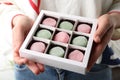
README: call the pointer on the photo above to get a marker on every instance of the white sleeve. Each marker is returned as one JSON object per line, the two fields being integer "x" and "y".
{"x": 115, "y": 6}
{"x": 8, "y": 12}
{"x": 27, "y": 8}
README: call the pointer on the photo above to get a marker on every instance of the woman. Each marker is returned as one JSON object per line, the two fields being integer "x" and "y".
{"x": 22, "y": 15}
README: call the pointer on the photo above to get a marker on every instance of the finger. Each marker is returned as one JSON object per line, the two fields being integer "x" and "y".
{"x": 33, "y": 67}
{"x": 41, "y": 67}
{"x": 19, "y": 60}
{"x": 103, "y": 26}
{"x": 98, "y": 48}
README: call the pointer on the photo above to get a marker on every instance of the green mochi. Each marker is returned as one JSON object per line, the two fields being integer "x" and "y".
{"x": 80, "y": 41}
{"x": 66, "y": 25}
{"x": 44, "y": 34}
{"x": 57, "y": 51}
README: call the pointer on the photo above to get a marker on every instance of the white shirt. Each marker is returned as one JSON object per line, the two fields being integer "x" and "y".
{"x": 86, "y": 8}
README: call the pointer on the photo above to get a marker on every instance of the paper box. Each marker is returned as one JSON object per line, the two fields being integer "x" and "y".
{"x": 59, "y": 62}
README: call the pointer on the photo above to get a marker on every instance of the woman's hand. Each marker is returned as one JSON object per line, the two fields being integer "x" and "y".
{"x": 21, "y": 26}
{"x": 106, "y": 26}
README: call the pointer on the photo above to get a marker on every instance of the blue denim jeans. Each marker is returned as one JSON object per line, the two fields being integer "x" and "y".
{"x": 98, "y": 72}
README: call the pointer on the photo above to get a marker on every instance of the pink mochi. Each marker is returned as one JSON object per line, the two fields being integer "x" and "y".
{"x": 38, "y": 46}
{"x": 76, "y": 55}
{"x": 62, "y": 37}
{"x": 49, "y": 22}
{"x": 84, "y": 28}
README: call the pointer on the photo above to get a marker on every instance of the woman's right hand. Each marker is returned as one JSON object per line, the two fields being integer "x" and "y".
{"x": 21, "y": 26}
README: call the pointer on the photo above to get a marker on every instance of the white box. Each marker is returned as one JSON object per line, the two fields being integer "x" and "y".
{"x": 62, "y": 63}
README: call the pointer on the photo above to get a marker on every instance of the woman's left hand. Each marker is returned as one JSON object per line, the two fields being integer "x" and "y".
{"x": 102, "y": 36}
